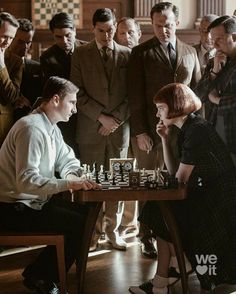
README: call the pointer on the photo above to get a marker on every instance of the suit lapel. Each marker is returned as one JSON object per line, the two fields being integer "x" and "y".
{"x": 96, "y": 61}
{"x": 117, "y": 60}
{"x": 179, "y": 51}
{"x": 159, "y": 53}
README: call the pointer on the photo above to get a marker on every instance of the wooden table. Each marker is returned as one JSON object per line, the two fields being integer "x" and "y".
{"x": 95, "y": 200}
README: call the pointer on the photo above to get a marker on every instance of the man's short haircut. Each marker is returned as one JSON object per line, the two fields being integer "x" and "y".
{"x": 126, "y": 18}
{"x": 228, "y": 22}
{"x": 25, "y": 25}
{"x": 180, "y": 99}
{"x": 58, "y": 86}
{"x": 162, "y": 6}
{"x": 5, "y": 16}
{"x": 103, "y": 15}
{"x": 61, "y": 20}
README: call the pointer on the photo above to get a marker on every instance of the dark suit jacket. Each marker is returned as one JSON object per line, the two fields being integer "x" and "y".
{"x": 55, "y": 62}
{"x": 99, "y": 95}
{"x": 31, "y": 85}
{"x": 149, "y": 70}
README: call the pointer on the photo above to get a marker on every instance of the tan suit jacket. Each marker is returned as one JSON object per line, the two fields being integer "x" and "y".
{"x": 150, "y": 70}
{"x": 10, "y": 80}
{"x": 99, "y": 94}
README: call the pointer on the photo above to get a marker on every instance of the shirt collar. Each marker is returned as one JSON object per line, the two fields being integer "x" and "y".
{"x": 212, "y": 52}
{"x": 173, "y": 43}
{"x": 110, "y": 46}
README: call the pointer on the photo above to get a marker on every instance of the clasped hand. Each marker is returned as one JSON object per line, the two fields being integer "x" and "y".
{"x": 108, "y": 124}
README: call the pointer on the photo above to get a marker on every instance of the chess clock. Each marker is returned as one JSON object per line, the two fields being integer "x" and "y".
{"x": 128, "y": 166}
{"x": 116, "y": 166}
{"x": 124, "y": 164}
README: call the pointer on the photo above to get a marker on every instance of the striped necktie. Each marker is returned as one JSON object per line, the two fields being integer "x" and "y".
{"x": 104, "y": 53}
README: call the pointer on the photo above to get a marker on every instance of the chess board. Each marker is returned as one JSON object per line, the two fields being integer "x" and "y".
{"x": 117, "y": 181}
{"x": 43, "y": 11}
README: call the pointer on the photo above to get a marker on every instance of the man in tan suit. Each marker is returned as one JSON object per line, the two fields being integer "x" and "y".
{"x": 99, "y": 70}
{"x": 153, "y": 64}
{"x": 11, "y": 67}
{"x": 206, "y": 53}
{"x": 205, "y": 48}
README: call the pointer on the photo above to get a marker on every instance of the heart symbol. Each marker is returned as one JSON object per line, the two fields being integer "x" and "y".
{"x": 201, "y": 269}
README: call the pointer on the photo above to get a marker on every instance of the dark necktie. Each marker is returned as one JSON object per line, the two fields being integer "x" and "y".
{"x": 104, "y": 53}
{"x": 206, "y": 57}
{"x": 172, "y": 55}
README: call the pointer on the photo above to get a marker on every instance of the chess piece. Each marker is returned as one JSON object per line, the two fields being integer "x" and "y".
{"x": 95, "y": 168}
{"x": 101, "y": 169}
{"x": 143, "y": 172}
{"x": 88, "y": 169}
{"x": 173, "y": 182}
{"x": 97, "y": 177}
{"x": 159, "y": 178}
{"x": 106, "y": 176}
{"x": 85, "y": 168}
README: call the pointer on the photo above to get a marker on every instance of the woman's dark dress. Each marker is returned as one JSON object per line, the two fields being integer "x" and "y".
{"x": 207, "y": 218}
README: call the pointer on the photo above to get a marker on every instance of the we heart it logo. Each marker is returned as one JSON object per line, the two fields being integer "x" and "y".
{"x": 201, "y": 269}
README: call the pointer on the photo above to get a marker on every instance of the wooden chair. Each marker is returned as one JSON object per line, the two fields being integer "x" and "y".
{"x": 29, "y": 238}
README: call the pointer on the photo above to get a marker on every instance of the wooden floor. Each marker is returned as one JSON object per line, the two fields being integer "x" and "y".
{"x": 108, "y": 272}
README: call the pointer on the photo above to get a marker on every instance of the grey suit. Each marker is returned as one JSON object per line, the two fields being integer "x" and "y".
{"x": 103, "y": 89}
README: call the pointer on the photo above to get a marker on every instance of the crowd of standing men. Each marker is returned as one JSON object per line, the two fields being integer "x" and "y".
{"x": 117, "y": 80}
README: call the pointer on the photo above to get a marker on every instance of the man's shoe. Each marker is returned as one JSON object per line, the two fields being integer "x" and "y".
{"x": 148, "y": 249}
{"x": 125, "y": 230}
{"x": 41, "y": 286}
{"x": 117, "y": 242}
{"x": 93, "y": 247}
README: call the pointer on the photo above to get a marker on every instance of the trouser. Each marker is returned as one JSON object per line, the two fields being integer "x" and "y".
{"x": 129, "y": 214}
{"x": 112, "y": 220}
{"x": 58, "y": 215}
{"x": 144, "y": 231}
{"x": 149, "y": 161}
{"x": 101, "y": 154}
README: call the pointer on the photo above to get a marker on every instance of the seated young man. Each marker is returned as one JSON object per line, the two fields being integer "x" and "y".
{"x": 32, "y": 152}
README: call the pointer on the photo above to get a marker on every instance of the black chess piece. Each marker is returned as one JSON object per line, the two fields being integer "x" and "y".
{"x": 97, "y": 177}
{"x": 173, "y": 182}
{"x": 106, "y": 176}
